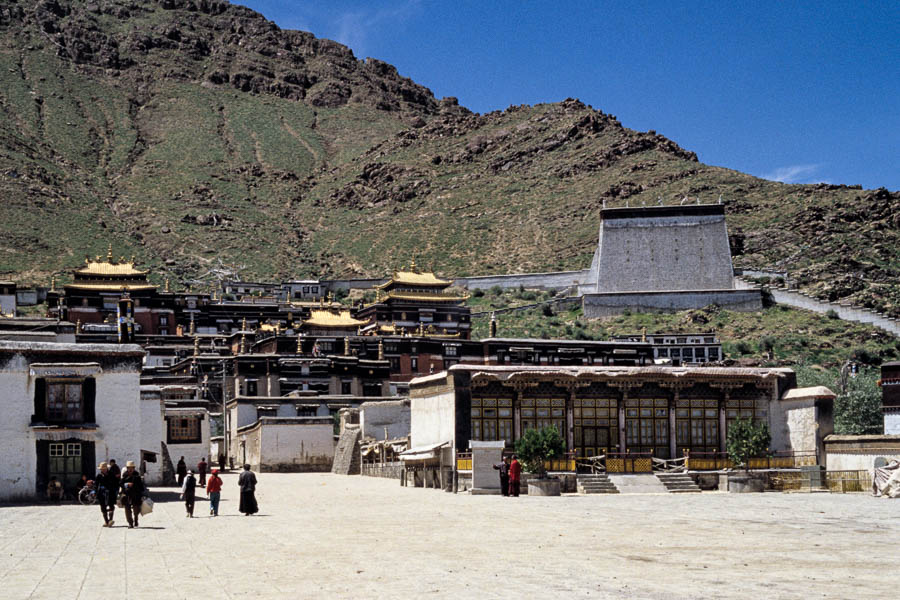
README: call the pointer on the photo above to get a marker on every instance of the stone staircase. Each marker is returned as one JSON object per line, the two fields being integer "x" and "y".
{"x": 638, "y": 483}
{"x": 346, "y": 454}
{"x": 595, "y": 484}
{"x": 678, "y": 483}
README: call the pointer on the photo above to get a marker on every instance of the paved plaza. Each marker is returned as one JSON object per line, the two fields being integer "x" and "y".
{"x": 327, "y": 536}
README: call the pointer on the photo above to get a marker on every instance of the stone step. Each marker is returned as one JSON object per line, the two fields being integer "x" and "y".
{"x": 678, "y": 483}
{"x": 638, "y": 484}
{"x": 595, "y": 484}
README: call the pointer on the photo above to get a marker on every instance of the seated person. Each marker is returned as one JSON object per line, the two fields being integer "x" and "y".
{"x": 54, "y": 489}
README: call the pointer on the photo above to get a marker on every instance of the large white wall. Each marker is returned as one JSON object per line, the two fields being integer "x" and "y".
{"x": 394, "y": 415}
{"x": 433, "y": 419}
{"x": 295, "y": 446}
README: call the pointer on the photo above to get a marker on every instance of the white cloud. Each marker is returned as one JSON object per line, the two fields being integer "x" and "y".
{"x": 353, "y": 27}
{"x": 795, "y": 174}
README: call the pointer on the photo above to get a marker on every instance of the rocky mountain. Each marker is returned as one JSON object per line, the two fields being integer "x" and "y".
{"x": 199, "y": 136}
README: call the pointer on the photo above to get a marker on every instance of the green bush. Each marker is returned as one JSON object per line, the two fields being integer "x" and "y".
{"x": 496, "y": 290}
{"x": 747, "y": 439}
{"x": 477, "y": 293}
{"x": 536, "y": 446}
{"x": 547, "y": 310}
{"x": 742, "y": 347}
{"x": 767, "y": 343}
{"x": 832, "y": 314}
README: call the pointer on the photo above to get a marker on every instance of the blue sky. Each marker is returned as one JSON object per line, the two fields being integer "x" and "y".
{"x": 792, "y": 91}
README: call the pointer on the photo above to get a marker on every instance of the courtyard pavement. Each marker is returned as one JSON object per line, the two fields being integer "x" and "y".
{"x": 328, "y": 536}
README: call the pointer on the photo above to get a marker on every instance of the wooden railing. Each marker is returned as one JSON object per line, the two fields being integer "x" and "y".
{"x": 629, "y": 462}
{"x": 566, "y": 463}
{"x": 714, "y": 461}
{"x": 463, "y": 461}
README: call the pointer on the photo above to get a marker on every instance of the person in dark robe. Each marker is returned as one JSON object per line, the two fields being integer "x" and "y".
{"x": 515, "y": 476}
{"x": 181, "y": 471}
{"x": 107, "y": 487}
{"x": 247, "y": 483}
{"x": 201, "y": 470}
{"x": 188, "y": 493}
{"x": 221, "y": 462}
{"x": 115, "y": 469}
{"x": 132, "y": 493}
{"x": 503, "y": 467}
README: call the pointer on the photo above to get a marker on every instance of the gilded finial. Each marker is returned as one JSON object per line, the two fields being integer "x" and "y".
{"x": 167, "y": 285}
{"x": 196, "y": 344}
{"x": 380, "y": 350}
{"x": 346, "y": 346}
{"x": 643, "y": 334}
{"x": 193, "y": 328}
{"x": 53, "y": 283}
{"x": 244, "y": 324}
{"x": 78, "y": 326}
{"x": 109, "y": 253}
{"x": 299, "y": 344}
{"x": 243, "y": 343}
{"x": 412, "y": 265}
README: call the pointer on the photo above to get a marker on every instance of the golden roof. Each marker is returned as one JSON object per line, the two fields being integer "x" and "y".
{"x": 108, "y": 268}
{"x": 111, "y": 287}
{"x": 424, "y": 296}
{"x": 327, "y": 318}
{"x": 414, "y": 276}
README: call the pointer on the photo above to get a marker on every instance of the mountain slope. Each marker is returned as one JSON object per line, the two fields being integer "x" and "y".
{"x": 195, "y": 133}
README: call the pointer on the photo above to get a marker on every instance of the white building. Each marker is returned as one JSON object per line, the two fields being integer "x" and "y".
{"x": 67, "y": 407}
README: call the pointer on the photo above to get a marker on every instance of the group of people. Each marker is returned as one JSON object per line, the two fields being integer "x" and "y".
{"x": 189, "y": 483}
{"x": 112, "y": 485}
{"x": 510, "y": 476}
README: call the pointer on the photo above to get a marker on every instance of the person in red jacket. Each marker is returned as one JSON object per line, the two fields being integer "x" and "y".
{"x": 214, "y": 491}
{"x": 515, "y": 475}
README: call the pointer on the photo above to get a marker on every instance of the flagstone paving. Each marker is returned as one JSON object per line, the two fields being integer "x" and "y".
{"x": 328, "y": 536}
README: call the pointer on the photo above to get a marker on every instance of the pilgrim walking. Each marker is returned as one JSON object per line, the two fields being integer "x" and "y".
{"x": 188, "y": 493}
{"x": 201, "y": 470}
{"x": 247, "y": 483}
{"x": 132, "y": 493}
{"x": 107, "y": 489}
{"x": 214, "y": 491}
{"x": 181, "y": 471}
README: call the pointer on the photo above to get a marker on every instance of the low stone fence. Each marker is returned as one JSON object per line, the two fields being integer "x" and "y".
{"x": 391, "y": 470}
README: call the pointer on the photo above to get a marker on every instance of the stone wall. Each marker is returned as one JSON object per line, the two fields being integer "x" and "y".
{"x": 390, "y": 415}
{"x": 663, "y": 248}
{"x": 611, "y": 304}
{"x": 558, "y": 280}
{"x": 859, "y": 452}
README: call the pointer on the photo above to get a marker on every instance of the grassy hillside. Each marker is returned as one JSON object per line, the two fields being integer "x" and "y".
{"x": 198, "y": 135}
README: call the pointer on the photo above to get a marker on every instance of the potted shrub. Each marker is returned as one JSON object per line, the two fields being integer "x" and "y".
{"x": 533, "y": 448}
{"x": 746, "y": 439}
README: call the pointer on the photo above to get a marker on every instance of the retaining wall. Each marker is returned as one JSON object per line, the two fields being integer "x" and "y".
{"x": 611, "y": 304}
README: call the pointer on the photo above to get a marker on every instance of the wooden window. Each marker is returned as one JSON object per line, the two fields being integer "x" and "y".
{"x": 64, "y": 402}
{"x": 492, "y": 419}
{"x": 184, "y": 430}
